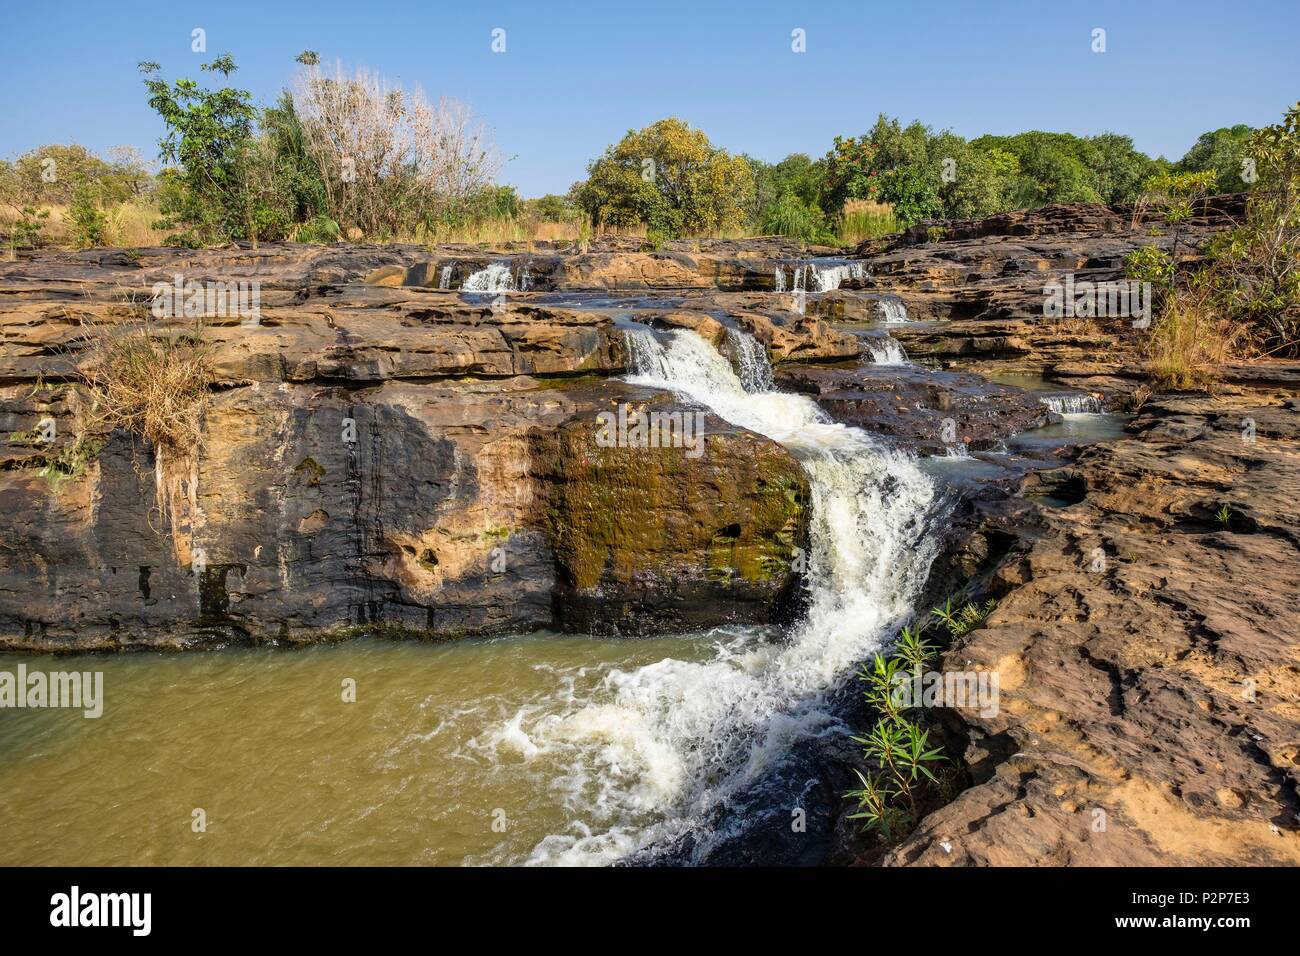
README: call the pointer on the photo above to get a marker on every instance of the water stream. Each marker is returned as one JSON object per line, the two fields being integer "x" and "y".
{"x": 543, "y": 749}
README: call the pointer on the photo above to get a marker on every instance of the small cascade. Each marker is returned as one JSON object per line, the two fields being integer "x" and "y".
{"x": 780, "y": 279}
{"x": 752, "y": 366}
{"x": 891, "y": 311}
{"x": 1072, "y": 404}
{"x": 644, "y": 353}
{"x": 799, "y": 288}
{"x": 832, "y": 277}
{"x": 959, "y": 450}
{"x": 885, "y": 350}
{"x": 494, "y": 278}
{"x": 444, "y": 277}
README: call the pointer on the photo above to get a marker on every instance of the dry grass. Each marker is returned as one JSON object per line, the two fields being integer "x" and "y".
{"x": 1190, "y": 341}
{"x": 129, "y": 225}
{"x": 865, "y": 219}
{"x": 150, "y": 381}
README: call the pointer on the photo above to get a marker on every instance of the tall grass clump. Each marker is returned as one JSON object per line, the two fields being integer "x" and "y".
{"x": 866, "y": 219}
{"x": 151, "y": 382}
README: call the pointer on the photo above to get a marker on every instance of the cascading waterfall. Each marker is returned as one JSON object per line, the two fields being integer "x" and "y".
{"x": 494, "y": 278}
{"x": 891, "y": 311}
{"x": 780, "y": 279}
{"x": 1072, "y": 404}
{"x": 444, "y": 277}
{"x": 885, "y": 350}
{"x": 752, "y": 366}
{"x": 832, "y": 277}
{"x": 656, "y": 751}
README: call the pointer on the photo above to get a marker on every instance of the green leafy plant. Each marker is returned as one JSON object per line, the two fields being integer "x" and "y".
{"x": 963, "y": 620}
{"x": 1149, "y": 264}
{"x": 898, "y": 746}
{"x": 1223, "y": 516}
{"x": 87, "y": 221}
{"x": 27, "y": 230}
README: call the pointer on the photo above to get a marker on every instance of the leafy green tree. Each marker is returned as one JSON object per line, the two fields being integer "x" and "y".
{"x": 207, "y": 138}
{"x": 670, "y": 178}
{"x": 852, "y": 172}
{"x": 1257, "y": 265}
{"x": 1222, "y": 151}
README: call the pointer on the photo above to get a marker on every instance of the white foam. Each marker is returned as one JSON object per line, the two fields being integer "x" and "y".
{"x": 653, "y": 750}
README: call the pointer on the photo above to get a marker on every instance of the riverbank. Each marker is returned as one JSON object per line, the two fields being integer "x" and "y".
{"x": 402, "y": 442}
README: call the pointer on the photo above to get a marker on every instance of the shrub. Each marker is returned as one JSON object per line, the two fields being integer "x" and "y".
{"x": 322, "y": 229}
{"x": 1257, "y": 265}
{"x": 1190, "y": 339}
{"x": 791, "y": 216}
{"x": 898, "y": 746}
{"x": 88, "y": 221}
{"x": 1149, "y": 264}
{"x": 151, "y": 382}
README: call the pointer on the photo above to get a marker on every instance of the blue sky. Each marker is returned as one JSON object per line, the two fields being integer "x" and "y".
{"x": 576, "y": 76}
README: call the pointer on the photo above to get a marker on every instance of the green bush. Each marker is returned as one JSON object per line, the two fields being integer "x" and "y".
{"x": 322, "y": 229}
{"x": 791, "y": 216}
{"x": 1149, "y": 264}
{"x": 898, "y": 746}
{"x": 87, "y": 221}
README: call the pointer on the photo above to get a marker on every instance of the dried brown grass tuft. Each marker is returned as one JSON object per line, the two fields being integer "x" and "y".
{"x": 151, "y": 381}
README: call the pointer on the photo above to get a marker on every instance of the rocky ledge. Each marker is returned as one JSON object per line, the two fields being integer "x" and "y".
{"x": 1145, "y": 640}
{"x": 402, "y": 459}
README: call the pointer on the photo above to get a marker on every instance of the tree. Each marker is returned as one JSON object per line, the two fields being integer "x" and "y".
{"x": 670, "y": 178}
{"x": 1223, "y": 151}
{"x": 207, "y": 137}
{"x": 1258, "y": 263}
{"x": 388, "y": 158}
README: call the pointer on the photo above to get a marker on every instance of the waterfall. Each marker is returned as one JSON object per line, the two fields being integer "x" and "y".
{"x": 832, "y": 277}
{"x": 660, "y": 749}
{"x": 1072, "y": 404}
{"x": 643, "y": 352}
{"x": 885, "y": 350}
{"x": 494, "y": 278}
{"x": 444, "y": 277}
{"x": 780, "y": 279}
{"x": 891, "y": 310}
{"x": 752, "y": 366}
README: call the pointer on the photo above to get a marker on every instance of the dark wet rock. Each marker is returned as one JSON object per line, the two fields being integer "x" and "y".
{"x": 929, "y": 411}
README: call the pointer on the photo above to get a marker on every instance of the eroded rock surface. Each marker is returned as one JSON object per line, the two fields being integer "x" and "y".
{"x": 1149, "y": 667}
{"x": 398, "y": 458}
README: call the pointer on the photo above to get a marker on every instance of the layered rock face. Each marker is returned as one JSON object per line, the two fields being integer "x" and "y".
{"x": 392, "y": 458}
{"x": 986, "y": 278}
{"x": 1150, "y": 685}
